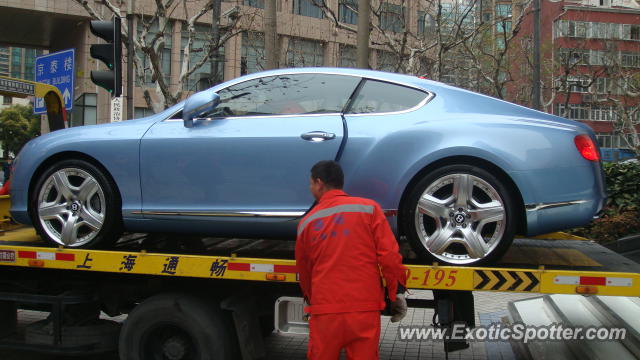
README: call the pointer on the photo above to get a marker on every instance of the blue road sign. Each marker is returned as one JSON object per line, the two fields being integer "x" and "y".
{"x": 56, "y": 69}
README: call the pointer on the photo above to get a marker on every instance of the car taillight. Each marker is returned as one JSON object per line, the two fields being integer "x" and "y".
{"x": 586, "y": 147}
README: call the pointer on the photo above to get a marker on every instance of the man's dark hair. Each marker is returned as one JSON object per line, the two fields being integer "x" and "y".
{"x": 329, "y": 172}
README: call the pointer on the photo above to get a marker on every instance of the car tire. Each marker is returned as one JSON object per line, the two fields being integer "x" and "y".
{"x": 450, "y": 226}
{"x": 176, "y": 326}
{"x": 75, "y": 204}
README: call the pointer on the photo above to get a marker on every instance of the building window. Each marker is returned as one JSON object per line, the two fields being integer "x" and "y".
{"x": 391, "y": 17}
{"x": 29, "y": 64}
{"x": 603, "y": 86}
{"x": 387, "y": 61}
{"x": 348, "y": 56}
{"x": 199, "y": 48}
{"x": 255, "y": 3}
{"x": 609, "y": 140}
{"x": 604, "y": 140}
{"x": 578, "y": 85}
{"x": 4, "y": 61}
{"x": 16, "y": 62}
{"x": 631, "y": 60}
{"x": 165, "y": 53}
{"x": 634, "y": 32}
{"x": 84, "y": 110}
{"x": 561, "y": 29}
{"x": 578, "y": 29}
{"x": 586, "y": 112}
{"x": 302, "y": 52}
{"x": 426, "y": 23}
{"x": 253, "y": 58}
{"x": 503, "y": 26}
{"x": 140, "y": 112}
{"x": 6, "y": 100}
{"x": 572, "y": 57}
{"x": 421, "y": 24}
{"x": 347, "y": 11}
{"x": 306, "y": 8}
{"x": 503, "y": 10}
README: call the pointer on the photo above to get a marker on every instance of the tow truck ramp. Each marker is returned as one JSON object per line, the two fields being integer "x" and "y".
{"x": 573, "y": 311}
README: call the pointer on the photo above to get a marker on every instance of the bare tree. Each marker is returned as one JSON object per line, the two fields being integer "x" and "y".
{"x": 155, "y": 27}
{"x": 617, "y": 90}
{"x": 445, "y": 26}
{"x": 592, "y": 80}
{"x": 493, "y": 50}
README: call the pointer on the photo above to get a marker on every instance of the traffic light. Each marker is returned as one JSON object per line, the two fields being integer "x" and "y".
{"x": 110, "y": 54}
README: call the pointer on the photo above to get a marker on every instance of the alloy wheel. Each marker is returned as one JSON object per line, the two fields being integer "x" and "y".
{"x": 71, "y": 207}
{"x": 460, "y": 218}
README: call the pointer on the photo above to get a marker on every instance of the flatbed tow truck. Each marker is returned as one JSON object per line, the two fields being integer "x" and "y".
{"x": 205, "y": 298}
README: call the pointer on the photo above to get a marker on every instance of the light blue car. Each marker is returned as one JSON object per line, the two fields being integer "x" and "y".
{"x": 458, "y": 173}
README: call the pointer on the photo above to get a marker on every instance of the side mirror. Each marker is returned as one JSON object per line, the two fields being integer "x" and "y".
{"x": 199, "y": 104}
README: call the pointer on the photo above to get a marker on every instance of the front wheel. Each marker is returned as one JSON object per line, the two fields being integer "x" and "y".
{"x": 74, "y": 204}
{"x": 176, "y": 326}
{"x": 460, "y": 215}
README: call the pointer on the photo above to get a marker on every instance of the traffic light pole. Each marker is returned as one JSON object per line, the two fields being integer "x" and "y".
{"x": 130, "y": 54}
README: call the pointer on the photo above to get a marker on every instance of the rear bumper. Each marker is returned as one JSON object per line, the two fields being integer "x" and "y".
{"x": 548, "y": 217}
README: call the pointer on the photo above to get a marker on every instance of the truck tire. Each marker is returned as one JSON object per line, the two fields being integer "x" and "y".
{"x": 177, "y": 327}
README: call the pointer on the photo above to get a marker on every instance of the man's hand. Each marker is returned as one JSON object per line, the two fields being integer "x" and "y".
{"x": 399, "y": 308}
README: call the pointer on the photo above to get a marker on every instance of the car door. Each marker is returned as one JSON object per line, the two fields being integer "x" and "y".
{"x": 252, "y": 154}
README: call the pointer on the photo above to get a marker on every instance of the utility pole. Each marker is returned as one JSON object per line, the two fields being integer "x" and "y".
{"x": 271, "y": 34}
{"x": 535, "y": 96}
{"x": 131, "y": 7}
{"x": 362, "y": 49}
{"x": 215, "y": 40}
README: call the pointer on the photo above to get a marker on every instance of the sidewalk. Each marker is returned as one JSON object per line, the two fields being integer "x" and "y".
{"x": 489, "y": 307}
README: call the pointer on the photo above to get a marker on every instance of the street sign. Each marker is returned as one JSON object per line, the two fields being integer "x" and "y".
{"x": 116, "y": 109}
{"x": 56, "y": 69}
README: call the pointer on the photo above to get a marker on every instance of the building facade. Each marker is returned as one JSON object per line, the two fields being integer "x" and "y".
{"x": 307, "y": 36}
{"x": 590, "y": 66}
{"x": 17, "y": 62}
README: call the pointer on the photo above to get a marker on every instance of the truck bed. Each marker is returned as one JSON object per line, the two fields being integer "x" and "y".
{"x": 530, "y": 265}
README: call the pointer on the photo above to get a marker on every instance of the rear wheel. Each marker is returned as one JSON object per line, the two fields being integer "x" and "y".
{"x": 75, "y": 204}
{"x": 175, "y": 327}
{"x": 460, "y": 214}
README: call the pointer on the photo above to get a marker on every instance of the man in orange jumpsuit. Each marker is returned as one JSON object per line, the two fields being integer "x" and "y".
{"x": 343, "y": 244}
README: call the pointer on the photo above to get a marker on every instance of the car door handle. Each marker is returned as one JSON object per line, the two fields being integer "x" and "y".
{"x": 318, "y": 136}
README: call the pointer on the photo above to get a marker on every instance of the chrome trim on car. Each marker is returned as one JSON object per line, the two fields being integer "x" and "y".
{"x": 285, "y": 214}
{"x": 536, "y": 207}
{"x": 259, "y": 116}
{"x": 429, "y": 97}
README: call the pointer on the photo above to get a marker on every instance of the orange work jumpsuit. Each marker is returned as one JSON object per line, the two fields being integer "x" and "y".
{"x": 343, "y": 243}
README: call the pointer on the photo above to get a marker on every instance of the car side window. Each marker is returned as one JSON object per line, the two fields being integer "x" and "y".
{"x": 380, "y": 97}
{"x": 286, "y": 94}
